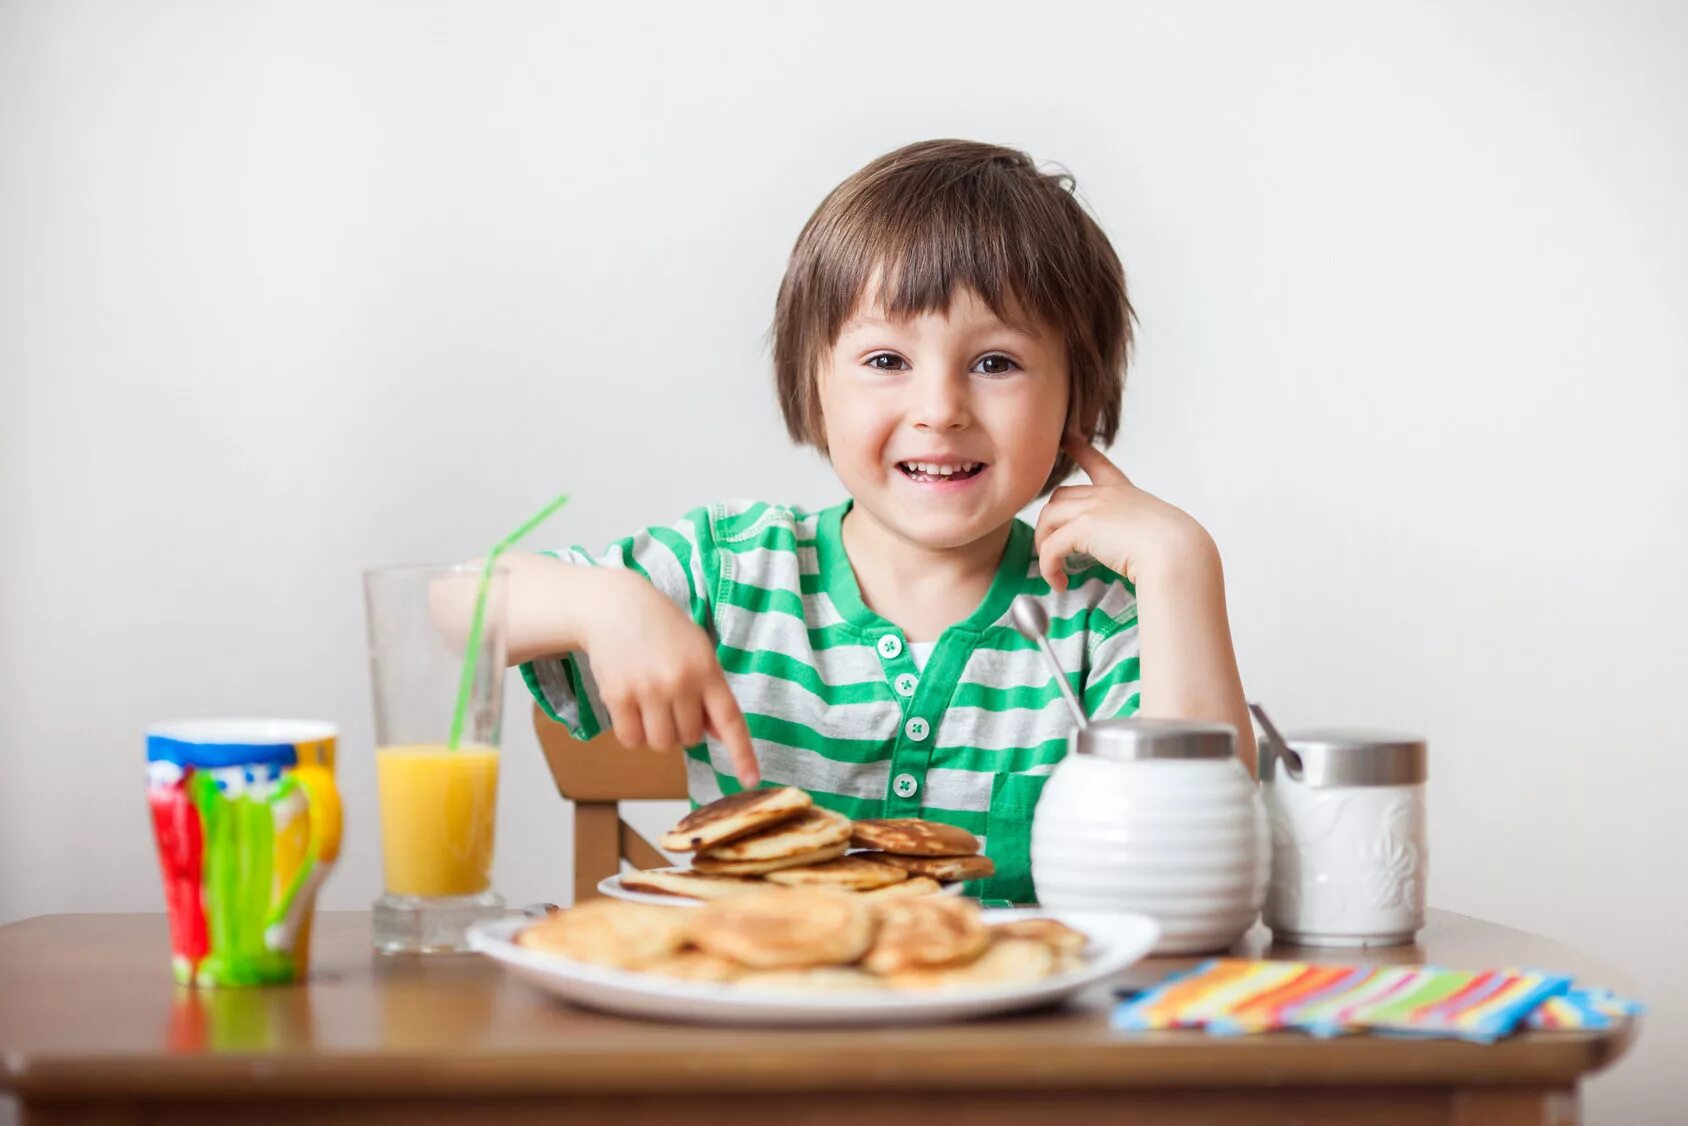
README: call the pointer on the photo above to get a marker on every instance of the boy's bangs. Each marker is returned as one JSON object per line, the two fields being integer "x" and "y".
{"x": 907, "y": 271}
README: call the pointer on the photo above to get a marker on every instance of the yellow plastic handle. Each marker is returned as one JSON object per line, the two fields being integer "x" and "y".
{"x": 326, "y": 813}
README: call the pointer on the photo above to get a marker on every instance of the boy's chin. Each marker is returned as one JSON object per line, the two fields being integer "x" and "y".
{"x": 946, "y": 532}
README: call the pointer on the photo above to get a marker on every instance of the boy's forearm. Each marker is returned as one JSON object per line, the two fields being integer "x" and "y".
{"x": 551, "y": 607}
{"x": 1184, "y": 640}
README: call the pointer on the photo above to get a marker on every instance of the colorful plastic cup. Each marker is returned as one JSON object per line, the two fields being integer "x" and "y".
{"x": 247, "y": 821}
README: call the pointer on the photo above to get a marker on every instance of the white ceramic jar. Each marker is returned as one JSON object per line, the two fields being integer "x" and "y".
{"x": 1349, "y": 854}
{"x": 1157, "y": 817}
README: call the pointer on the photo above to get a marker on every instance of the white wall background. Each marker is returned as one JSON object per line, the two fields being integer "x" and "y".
{"x": 288, "y": 290}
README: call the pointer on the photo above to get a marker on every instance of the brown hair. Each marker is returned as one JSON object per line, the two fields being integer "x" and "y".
{"x": 937, "y": 215}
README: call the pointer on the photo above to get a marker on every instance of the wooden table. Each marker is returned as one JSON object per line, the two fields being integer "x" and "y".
{"x": 92, "y": 1029}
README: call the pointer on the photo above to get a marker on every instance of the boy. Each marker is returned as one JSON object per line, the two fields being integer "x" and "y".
{"x": 952, "y": 334}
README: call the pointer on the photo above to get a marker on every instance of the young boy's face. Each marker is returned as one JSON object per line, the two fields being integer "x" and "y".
{"x": 945, "y": 425}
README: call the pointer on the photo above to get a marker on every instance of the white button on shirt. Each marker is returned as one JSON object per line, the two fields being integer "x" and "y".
{"x": 906, "y": 684}
{"x": 904, "y": 785}
{"x": 917, "y": 729}
{"x": 890, "y": 646}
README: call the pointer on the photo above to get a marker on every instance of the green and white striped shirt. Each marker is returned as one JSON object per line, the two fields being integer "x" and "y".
{"x": 832, "y": 695}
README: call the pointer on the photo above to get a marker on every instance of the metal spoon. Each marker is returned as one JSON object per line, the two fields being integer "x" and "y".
{"x": 1291, "y": 760}
{"x": 1033, "y": 625}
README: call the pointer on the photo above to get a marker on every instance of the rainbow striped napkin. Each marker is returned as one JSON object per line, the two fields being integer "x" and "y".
{"x": 1581, "y": 1010}
{"x": 1232, "y": 996}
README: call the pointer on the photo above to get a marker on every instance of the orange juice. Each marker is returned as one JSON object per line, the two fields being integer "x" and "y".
{"x": 437, "y": 814}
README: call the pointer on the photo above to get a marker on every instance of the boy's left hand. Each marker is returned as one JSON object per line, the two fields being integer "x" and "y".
{"x": 1121, "y": 526}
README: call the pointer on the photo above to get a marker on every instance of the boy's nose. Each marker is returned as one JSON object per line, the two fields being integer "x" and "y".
{"x": 942, "y": 403}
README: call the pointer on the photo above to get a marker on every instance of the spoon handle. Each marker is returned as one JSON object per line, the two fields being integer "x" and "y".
{"x": 1291, "y": 760}
{"x": 1061, "y": 682}
{"x": 1033, "y": 625}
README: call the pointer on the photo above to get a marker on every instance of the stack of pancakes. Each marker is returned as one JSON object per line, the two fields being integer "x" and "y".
{"x": 812, "y": 940}
{"x": 745, "y": 841}
{"x": 923, "y": 848}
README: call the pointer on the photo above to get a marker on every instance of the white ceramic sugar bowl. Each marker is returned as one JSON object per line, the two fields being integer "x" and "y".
{"x": 1349, "y": 854}
{"x": 1157, "y": 817}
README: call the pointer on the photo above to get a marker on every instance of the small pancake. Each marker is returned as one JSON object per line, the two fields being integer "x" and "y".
{"x": 1011, "y": 961}
{"x": 691, "y": 885}
{"x": 910, "y": 836}
{"x": 785, "y": 928}
{"x": 929, "y": 931}
{"x": 1053, "y": 933}
{"x": 735, "y": 816}
{"x": 1067, "y": 960}
{"x": 807, "y": 831}
{"x": 940, "y": 867}
{"x": 847, "y": 873}
{"x": 816, "y": 979}
{"x": 911, "y": 888}
{"x": 695, "y": 965}
{"x": 611, "y": 932}
{"x": 709, "y": 866}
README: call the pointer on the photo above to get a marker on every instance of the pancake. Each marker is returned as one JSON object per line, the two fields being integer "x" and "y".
{"x": 692, "y": 885}
{"x": 910, "y": 836}
{"x": 930, "y": 931}
{"x": 1067, "y": 960}
{"x": 611, "y": 932}
{"x": 709, "y": 866}
{"x": 785, "y": 928}
{"x": 808, "y": 830}
{"x": 1056, "y": 935}
{"x": 695, "y": 965}
{"x": 733, "y": 816}
{"x": 1011, "y": 961}
{"x": 911, "y": 888}
{"x": 847, "y": 873}
{"x": 939, "y": 867}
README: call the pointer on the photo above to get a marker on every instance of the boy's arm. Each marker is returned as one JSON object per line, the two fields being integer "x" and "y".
{"x": 656, "y": 669}
{"x": 1188, "y": 668}
{"x": 554, "y": 607}
{"x": 550, "y": 607}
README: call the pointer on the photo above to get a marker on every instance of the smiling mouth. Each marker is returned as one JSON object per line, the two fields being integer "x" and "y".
{"x": 931, "y": 472}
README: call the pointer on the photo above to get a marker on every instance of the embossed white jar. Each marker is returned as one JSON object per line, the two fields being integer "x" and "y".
{"x": 1156, "y": 817}
{"x": 1349, "y": 853}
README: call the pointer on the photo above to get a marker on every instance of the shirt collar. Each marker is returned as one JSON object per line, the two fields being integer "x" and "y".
{"x": 838, "y": 577}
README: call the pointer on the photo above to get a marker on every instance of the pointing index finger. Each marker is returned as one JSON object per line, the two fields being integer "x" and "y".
{"x": 727, "y": 721}
{"x": 1094, "y": 462}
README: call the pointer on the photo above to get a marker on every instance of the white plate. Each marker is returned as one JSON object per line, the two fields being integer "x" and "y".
{"x": 1116, "y": 941}
{"x": 613, "y": 887}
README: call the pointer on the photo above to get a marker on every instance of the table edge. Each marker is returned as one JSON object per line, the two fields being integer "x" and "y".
{"x": 1557, "y": 1059}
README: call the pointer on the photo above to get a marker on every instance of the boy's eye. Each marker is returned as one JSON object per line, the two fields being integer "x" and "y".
{"x": 994, "y": 364}
{"x": 886, "y": 361}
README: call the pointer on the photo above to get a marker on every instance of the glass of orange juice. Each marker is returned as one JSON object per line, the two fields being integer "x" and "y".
{"x": 439, "y": 799}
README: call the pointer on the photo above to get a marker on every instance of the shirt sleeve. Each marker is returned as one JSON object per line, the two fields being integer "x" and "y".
{"x": 678, "y": 560}
{"x": 1112, "y": 683}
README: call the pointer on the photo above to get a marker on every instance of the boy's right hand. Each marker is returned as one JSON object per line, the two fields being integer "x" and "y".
{"x": 659, "y": 677}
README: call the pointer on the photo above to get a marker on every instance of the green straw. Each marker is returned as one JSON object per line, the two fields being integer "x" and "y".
{"x": 471, "y": 650}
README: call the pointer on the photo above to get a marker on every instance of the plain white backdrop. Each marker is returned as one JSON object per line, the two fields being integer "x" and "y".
{"x": 289, "y": 290}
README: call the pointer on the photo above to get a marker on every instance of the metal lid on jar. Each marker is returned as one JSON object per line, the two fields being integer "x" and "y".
{"x": 1132, "y": 738}
{"x": 1349, "y": 758}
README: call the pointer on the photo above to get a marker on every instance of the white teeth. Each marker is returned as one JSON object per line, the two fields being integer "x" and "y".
{"x": 933, "y": 469}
